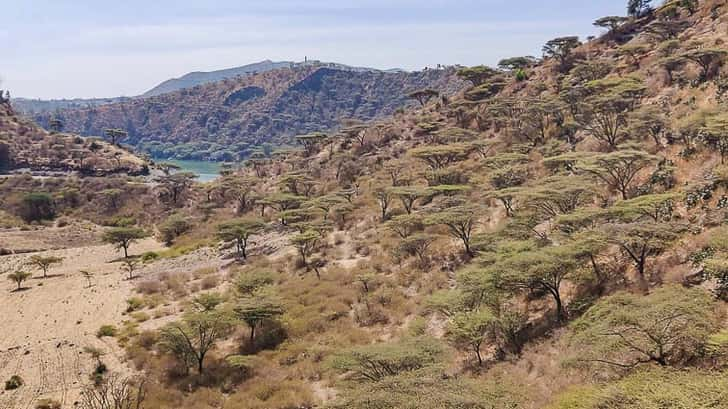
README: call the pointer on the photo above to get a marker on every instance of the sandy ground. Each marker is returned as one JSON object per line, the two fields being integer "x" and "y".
{"x": 47, "y": 325}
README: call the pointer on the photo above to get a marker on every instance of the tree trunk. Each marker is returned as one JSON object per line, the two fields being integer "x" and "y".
{"x": 200, "y": 369}
{"x": 476, "y": 348}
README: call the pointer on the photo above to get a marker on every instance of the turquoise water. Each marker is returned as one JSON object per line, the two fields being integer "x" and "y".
{"x": 205, "y": 171}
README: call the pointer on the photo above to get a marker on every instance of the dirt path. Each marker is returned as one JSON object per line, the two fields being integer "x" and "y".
{"x": 47, "y": 326}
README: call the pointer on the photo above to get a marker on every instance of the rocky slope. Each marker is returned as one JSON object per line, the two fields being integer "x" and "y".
{"x": 224, "y": 120}
{"x": 23, "y": 145}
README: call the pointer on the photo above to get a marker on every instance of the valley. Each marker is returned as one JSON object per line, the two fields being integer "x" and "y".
{"x": 542, "y": 233}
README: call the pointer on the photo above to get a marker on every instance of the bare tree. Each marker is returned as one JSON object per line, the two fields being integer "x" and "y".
{"x": 115, "y": 392}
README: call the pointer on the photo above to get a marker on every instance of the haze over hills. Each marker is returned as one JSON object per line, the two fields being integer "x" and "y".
{"x": 30, "y": 106}
{"x": 199, "y": 78}
{"x": 226, "y": 119}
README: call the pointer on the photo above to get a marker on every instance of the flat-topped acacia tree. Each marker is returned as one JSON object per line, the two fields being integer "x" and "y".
{"x": 176, "y": 184}
{"x": 478, "y": 74}
{"x": 18, "y": 277}
{"x": 668, "y": 327}
{"x": 460, "y": 222}
{"x": 561, "y": 49}
{"x": 115, "y": 134}
{"x": 190, "y": 339}
{"x": 440, "y": 156}
{"x": 408, "y": 195}
{"x": 312, "y": 142}
{"x": 44, "y": 263}
{"x": 423, "y": 96}
{"x": 306, "y": 243}
{"x": 123, "y": 237}
{"x": 240, "y": 231}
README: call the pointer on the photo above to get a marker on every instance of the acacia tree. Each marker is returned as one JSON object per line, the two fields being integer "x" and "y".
{"x": 408, "y": 195}
{"x": 242, "y": 190}
{"x": 561, "y": 48}
{"x": 668, "y": 327}
{"x": 634, "y": 51}
{"x": 384, "y": 198}
{"x": 405, "y": 224}
{"x": 655, "y": 207}
{"x": 642, "y": 240}
{"x": 460, "y": 221}
{"x": 648, "y": 120}
{"x": 715, "y": 134}
{"x": 18, "y": 277}
{"x": 326, "y": 203}
{"x": 612, "y": 23}
{"x": 517, "y": 63}
{"x": 297, "y": 183}
{"x": 194, "y": 336}
{"x": 477, "y": 75}
{"x": 706, "y": 58}
{"x": 555, "y": 195}
{"x": 605, "y": 118}
{"x": 115, "y": 134}
{"x": 539, "y": 116}
{"x": 536, "y": 269}
{"x": 417, "y": 244}
{"x": 471, "y": 329}
{"x": 123, "y": 237}
{"x": 618, "y": 169}
{"x": 306, "y": 244}
{"x": 44, "y": 263}
{"x": 257, "y": 308}
{"x": 312, "y": 142}
{"x": 176, "y": 184}
{"x": 440, "y": 156}
{"x": 423, "y": 96}
{"x": 240, "y": 231}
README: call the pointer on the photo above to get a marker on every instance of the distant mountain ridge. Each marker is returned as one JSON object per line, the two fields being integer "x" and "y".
{"x": 192, "y": 79}
{"x": 227, "y": 119}
{"x": 34, "y": 106}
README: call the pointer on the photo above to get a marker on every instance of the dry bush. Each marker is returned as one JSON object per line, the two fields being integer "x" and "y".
{"x": 209, "y": 282}
{"x": 267, "y": 394}
{"x": 150, "y": 287}
{"x": 203, "y": 272}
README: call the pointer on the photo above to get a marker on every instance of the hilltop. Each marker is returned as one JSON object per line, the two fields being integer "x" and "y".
{"x": 24, "y": 145}
{"x": 28, "y": 106}
{"x": 193, "y": 79}
{"x": 228, "y": 119}
{"x": 554, "y": 236}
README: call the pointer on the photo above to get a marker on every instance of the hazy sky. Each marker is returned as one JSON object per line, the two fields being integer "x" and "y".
{"x": 100, "y": 48}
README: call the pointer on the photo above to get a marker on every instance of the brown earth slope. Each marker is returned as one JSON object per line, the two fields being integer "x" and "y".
{"x": 225, "y": 119}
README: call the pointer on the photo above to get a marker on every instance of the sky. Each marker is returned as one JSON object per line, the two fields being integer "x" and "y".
{"x": 99, "y": 48}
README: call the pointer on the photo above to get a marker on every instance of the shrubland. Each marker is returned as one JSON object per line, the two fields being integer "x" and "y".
{"x": 553, "y": 236}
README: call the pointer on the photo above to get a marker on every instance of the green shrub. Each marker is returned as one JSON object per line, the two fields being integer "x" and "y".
{"x": 35, "y": 207}
{"x": 150, "y": 256}
{"x": 652, "y": 389}
{"x": 14, "y": 382}
{"x": 106, "y": 331}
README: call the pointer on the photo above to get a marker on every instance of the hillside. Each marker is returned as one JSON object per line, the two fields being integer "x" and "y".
{"x": 23, "y": 145}
{"x": 199, "y": 78}
{"x": 555, "y": 236}
{"x": 193, "y": 79}
{"x": 227, "y": 119}
{"x": 30, "y": 107}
